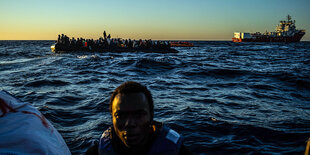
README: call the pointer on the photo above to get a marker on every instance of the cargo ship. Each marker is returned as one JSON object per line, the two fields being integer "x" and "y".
{"x": 285, "y": 32}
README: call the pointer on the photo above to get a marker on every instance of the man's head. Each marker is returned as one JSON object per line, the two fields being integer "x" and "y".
{"x": 131, "y": 107}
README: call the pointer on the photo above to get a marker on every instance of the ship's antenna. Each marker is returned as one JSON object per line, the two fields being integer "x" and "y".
{"x": 289, "y": 17}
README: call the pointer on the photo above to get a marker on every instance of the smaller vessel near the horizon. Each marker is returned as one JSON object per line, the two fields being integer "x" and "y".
{"x": 181, "y": 44}
{"x": 285, "y": 32}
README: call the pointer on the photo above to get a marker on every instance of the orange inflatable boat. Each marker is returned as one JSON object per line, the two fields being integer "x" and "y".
{"x": 181, "y": 44}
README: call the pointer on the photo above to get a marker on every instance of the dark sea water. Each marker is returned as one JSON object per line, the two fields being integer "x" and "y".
{"x": 223, "y": 97}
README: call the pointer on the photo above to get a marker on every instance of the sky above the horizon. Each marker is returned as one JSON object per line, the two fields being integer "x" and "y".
{"x": 147, "y": 19}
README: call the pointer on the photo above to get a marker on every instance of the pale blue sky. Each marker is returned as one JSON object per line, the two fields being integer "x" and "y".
{"x": 160, "y": 19}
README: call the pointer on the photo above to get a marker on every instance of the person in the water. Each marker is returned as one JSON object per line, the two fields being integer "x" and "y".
{"x": 134, "y": 131}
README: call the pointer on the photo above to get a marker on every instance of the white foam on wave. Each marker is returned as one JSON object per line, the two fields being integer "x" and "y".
{"x": 3, "y": 62}
{"x": 82, "y": 56}
{"x": 86, "y": 56}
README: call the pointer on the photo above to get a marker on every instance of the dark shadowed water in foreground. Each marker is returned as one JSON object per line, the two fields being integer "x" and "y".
{"x": 223, "y": 97}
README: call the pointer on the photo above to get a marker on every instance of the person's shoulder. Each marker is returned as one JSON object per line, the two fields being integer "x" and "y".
{"x": 174, "y": 137}
{"x": 107, "y": 133}
{"x": 105, "y": 138}
{"x": 168, "y": 133}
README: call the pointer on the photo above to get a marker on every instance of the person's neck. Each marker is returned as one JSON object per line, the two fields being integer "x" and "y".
{"x": 143, "y": 148}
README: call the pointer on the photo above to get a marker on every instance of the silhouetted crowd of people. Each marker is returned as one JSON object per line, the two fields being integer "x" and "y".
{"x": 106, "y": 43}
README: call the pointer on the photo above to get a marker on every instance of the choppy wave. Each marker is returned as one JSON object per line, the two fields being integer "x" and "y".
{"x": 223, "y": 97}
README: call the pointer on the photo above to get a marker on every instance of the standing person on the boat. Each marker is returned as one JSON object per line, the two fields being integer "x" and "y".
{"x": 104, "y": 35}
{"x": 134, "y": 131}
{"x": 58, "y": 40}
{"x": 62, "y": 38}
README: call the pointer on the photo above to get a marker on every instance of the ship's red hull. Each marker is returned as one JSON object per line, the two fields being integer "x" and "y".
{"x": 265, "y": 38}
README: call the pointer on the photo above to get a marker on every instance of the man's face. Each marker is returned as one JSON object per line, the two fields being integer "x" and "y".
{"x": 131, "y": 118}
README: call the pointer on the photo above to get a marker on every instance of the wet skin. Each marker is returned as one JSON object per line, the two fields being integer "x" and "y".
{"x": 131, "y": 118}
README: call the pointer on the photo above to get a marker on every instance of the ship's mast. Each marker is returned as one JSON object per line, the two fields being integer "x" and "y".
{"x": 289, "y": 18}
